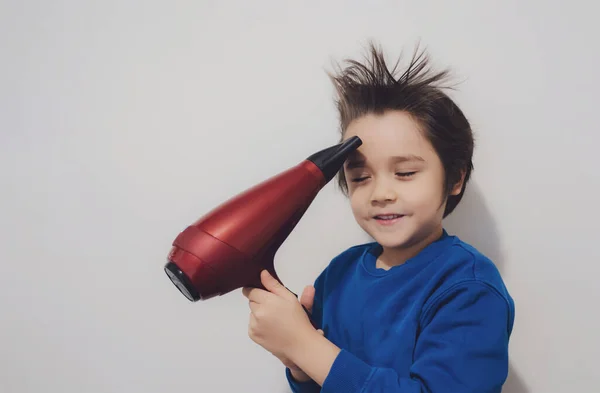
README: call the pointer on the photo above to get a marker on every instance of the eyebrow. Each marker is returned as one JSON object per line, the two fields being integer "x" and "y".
{"x": 355, "y": 162}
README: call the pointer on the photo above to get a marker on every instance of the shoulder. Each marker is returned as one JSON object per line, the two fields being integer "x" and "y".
{"x": 467, "y": 275}
{"x": 342, "y": 263}
{"x": 470, "y": 264}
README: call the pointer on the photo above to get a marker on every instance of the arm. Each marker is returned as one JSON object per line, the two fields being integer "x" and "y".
{"x": 303, "y": 385}
{"x": 462, "y": 347}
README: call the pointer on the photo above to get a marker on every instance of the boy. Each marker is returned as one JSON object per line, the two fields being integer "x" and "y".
{"x": 417, "y": 310}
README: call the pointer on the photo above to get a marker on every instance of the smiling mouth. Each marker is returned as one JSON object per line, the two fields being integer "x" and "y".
{"x": 388, "y": 216}
{"x": 388, "y": 219}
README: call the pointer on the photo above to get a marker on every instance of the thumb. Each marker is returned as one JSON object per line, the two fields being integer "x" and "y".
{"x": 307, "y": 298}
{"x": 272, "y": 285}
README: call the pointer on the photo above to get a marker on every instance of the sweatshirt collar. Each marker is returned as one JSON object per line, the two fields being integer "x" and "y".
{"x": 428, "y": 254}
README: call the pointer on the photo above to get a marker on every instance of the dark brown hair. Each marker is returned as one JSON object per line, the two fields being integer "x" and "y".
{"x": 373, "y": 88}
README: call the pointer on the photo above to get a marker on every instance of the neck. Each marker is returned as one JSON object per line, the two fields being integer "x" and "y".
{"x": 394, "y": 256}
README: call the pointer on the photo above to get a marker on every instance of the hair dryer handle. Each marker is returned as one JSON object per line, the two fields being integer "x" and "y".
{"x": 305, "y": 310}
{"x": 269, "y": 265}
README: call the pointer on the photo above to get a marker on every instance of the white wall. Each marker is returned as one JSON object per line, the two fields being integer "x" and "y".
{"x": 121, "y": 122}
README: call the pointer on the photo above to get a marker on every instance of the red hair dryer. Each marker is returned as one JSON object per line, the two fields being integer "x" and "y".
{"x": 228, "y": 248}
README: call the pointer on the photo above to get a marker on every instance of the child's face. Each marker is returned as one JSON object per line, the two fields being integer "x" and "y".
{"x": 395, "y": 172}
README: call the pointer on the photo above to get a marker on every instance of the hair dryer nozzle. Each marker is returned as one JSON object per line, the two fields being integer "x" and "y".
{"x": 181, "y": 281}
{"x": 330, "y": 160}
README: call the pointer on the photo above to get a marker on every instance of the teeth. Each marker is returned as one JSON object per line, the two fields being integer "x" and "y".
{"x": 389, "y": 217}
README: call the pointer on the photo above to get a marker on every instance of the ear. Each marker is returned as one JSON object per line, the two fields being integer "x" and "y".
{"x": 458, "y": 186}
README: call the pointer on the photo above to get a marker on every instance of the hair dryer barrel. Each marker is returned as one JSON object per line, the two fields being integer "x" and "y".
{"x": 227, "y": 248}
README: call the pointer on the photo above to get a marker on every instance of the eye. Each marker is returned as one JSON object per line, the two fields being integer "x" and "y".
{"x": 359, "y": 179}
{"x": 405, "y": 174}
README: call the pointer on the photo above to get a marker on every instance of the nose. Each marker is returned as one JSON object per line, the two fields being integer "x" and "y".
{"x": 383, "y": 192}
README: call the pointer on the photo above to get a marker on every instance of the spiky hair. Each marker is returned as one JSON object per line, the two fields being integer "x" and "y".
{"x": 372, "y": 87}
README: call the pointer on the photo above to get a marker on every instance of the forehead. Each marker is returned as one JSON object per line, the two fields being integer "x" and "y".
{"x": 388, "y": 135}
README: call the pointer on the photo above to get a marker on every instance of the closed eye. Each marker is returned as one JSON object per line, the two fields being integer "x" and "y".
{"x": 405, "y": 174}
{"x": 359, "y": 179}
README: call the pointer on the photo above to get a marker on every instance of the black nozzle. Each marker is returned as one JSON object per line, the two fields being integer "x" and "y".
{"x": 330, "y": 160}
{"x": 181, "y": 281}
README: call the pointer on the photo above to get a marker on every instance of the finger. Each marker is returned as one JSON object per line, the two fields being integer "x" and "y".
{"x": 307, "y": 298}
{"x": 253, "y": 307}
{"x": 251, "y": 326}
{"x": 274, "y": 286}
{"x": 256, "y": 294}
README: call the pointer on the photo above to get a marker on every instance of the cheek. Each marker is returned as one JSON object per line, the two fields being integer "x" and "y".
{"x": 425, "y": 193}
{"x": 355, "y": 201}
{"x": 359, "y": 201}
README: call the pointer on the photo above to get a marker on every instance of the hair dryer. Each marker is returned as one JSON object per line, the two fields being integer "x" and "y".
{"x": 228, "y": 247}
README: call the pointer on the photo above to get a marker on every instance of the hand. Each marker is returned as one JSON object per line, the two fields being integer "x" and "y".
{"x": 307, "y": 300}
{"x": 277, "y": 319}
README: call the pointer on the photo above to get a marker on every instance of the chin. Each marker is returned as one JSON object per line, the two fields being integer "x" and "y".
{"x": 390, "y": 241}
{"x": 395, "y": 238}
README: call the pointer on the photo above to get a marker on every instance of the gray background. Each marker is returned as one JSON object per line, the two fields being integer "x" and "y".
{"x": 121, "y": 122}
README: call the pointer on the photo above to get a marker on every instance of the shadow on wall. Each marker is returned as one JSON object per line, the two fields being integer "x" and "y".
{"x": 473, "y": 222}
{"x": 514, "y": 383}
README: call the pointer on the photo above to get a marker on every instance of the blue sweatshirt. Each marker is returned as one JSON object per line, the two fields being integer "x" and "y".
{"x": 440, "y": 322}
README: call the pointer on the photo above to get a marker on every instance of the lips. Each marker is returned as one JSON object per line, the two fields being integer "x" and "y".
{"x": 387, "y": 216}
{"x": 388, "y": 219}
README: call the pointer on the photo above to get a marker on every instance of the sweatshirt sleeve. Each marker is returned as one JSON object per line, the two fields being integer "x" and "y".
{"x": 462, "y": 347}
{"x": 309, "y": 386}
